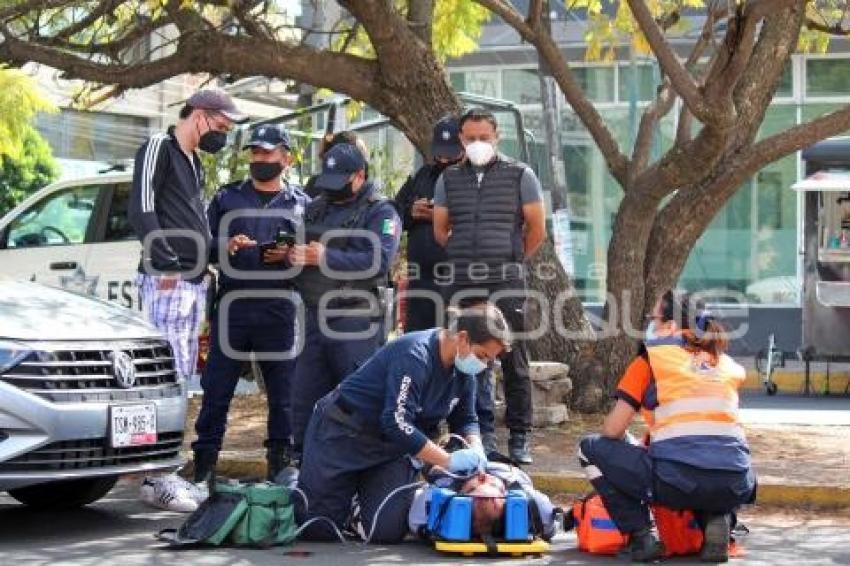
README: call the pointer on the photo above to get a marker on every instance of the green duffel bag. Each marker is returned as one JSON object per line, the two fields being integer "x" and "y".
{"x": 269, "y": 518}
{"x": 238, "y": 514}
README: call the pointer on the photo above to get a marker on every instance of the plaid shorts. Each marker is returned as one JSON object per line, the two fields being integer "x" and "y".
{"x": 178, "y": 314}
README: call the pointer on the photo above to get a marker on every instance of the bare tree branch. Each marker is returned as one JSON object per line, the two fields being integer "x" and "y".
{"x": 666, "y": 98}
{"x": 794, "y": 139}
{"x": 512, "y": 17}
{"x": 535, "y": 13}
{"x": 685, "y": 126}
{"x": 648, "y": 121}
{"x": 73, "y": 29}
{"x": 241, "y": 10}
{"x": 549, "y": 50}
{"x": 778, "y": 39}
{"x": 420, "y": 16}
{"x": 214, "y": 53}
{"x": 15, "y": 9}
{"x": 680, "y": 78}
{"x": 112, "y": 49}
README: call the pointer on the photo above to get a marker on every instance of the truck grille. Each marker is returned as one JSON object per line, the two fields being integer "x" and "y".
{"x": 83, "y": 372}
{"x": 94, "y": 453}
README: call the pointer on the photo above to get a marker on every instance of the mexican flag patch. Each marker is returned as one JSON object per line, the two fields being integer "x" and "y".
{"x": 389, "y": 227}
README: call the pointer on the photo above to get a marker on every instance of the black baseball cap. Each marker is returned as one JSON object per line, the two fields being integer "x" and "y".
{"x": 268, "y": 137}
{"x": 217, "y": 101}
{"x": 446, "y": 141}
{"x": 338, "y": 164}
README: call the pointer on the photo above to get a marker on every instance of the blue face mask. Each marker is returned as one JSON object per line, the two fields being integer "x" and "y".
{"x": 469, "y": 364}
{"x": 650, "y": 332}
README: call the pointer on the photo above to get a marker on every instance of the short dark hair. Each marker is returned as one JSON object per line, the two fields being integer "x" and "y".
{"x": 482, "y": 322}
{"x": 330, "y": 140}
{"x": 186, "y": 111}
{"x": 477, "y": 115}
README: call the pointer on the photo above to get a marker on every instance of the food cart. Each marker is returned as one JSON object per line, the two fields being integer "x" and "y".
{"x": 826, "y": 253}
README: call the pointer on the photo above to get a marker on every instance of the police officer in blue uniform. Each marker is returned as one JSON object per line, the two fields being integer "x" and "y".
{"x": 263, "y": 324}
{"x": 363, "y": 435}
{"x": 352, "y": 236}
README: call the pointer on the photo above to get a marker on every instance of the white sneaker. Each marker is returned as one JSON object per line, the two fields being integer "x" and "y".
{"x": 199, "y": 491}
{"x": 168, "y": 493}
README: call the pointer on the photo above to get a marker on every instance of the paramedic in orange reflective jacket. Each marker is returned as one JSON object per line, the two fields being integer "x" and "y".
{"x": 697, "y": 457}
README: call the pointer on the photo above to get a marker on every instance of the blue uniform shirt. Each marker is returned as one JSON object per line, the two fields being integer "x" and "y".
{"x": 381, "y": 219}
{"x": 404, "y": 388}
{"x": 241, "y": 196}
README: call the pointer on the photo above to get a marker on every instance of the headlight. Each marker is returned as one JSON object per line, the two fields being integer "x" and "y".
{"x": 11, "y": 354}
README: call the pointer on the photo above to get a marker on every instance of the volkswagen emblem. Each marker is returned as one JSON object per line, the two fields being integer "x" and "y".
{"x": 123, "y": 369}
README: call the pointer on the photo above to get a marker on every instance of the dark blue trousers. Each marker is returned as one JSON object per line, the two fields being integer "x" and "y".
{"x": 342, "y": 457}
{"x": 273, "y": 335}
{"x": 628, "y": 479}
{"x": 325, "y": 361}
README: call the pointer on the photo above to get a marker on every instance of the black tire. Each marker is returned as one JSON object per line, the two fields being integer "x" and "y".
{"x": 64, "y": 494}
{"x": 772, "y": 388}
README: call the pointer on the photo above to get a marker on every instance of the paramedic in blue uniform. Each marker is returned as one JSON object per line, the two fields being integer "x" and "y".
{"x": 264, "y": 324}
{"x": 363, "y": 434}
{"x": 352, "y": 236}
{"x": 686, "y": 387}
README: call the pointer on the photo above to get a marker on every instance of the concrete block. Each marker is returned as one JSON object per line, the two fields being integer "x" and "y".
{"x": 544, "y": 416}
{"x": 553, "y": 392}
{"x": 547, "y": 371}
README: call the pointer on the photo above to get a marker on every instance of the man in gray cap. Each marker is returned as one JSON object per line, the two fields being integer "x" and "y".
{"x": 167, "y": 212}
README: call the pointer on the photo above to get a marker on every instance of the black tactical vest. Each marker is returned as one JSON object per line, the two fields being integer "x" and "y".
{"x": 312, "y": 283}
{"x": 486, "y": 244}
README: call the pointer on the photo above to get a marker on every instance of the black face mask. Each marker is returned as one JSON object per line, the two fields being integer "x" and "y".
{"x": 265, "y": 171}
{"x": 212, "y": 141}
{"x": 342, "y": 194}
{"x": 441, "y": 165}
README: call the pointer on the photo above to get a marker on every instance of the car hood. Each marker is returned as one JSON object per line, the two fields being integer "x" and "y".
{"x": 30, "y": 311}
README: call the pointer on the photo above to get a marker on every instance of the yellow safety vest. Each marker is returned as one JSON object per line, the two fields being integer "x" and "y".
{"x": 694, "y": 397}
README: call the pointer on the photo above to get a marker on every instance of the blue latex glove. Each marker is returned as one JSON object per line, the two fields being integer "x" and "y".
{"x": 467, "y": 460}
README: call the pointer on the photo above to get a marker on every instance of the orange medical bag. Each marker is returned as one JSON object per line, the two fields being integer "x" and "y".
{"x": 597, "y": 533}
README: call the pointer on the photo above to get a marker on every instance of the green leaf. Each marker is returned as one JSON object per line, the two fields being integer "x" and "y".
{"x": 20, "y": 100}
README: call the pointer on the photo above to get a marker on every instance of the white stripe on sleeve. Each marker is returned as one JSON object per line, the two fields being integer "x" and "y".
{"x": 151, "y": 157}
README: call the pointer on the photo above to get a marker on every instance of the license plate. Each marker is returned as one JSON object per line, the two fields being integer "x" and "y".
{"x": 132, "y": 425}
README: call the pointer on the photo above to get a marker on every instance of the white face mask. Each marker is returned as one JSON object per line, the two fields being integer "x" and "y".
{"x": 480, "y": 153}
{"x": 650, "y": 331}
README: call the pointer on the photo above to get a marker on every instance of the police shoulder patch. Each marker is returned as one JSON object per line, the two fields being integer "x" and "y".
{"x": 389, "y": 227}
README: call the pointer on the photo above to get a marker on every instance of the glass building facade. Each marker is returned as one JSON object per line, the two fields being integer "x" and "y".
{"x": 751, "y": 245}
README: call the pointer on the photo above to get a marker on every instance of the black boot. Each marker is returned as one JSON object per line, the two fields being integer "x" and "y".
{"x": 278, "y": 457}
{"x": 490, "y": 442}
{"x": 204, "y": 464}
{"x": 715, "y": 546}
{"x": 519, "y": 447}
{"x": 643, "y": 547}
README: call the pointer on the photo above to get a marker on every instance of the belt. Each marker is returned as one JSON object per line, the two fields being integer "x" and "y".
{"x": 344, "y": 413}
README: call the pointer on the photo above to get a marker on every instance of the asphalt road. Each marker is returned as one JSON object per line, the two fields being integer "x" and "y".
{"x": 118, "y": 530}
